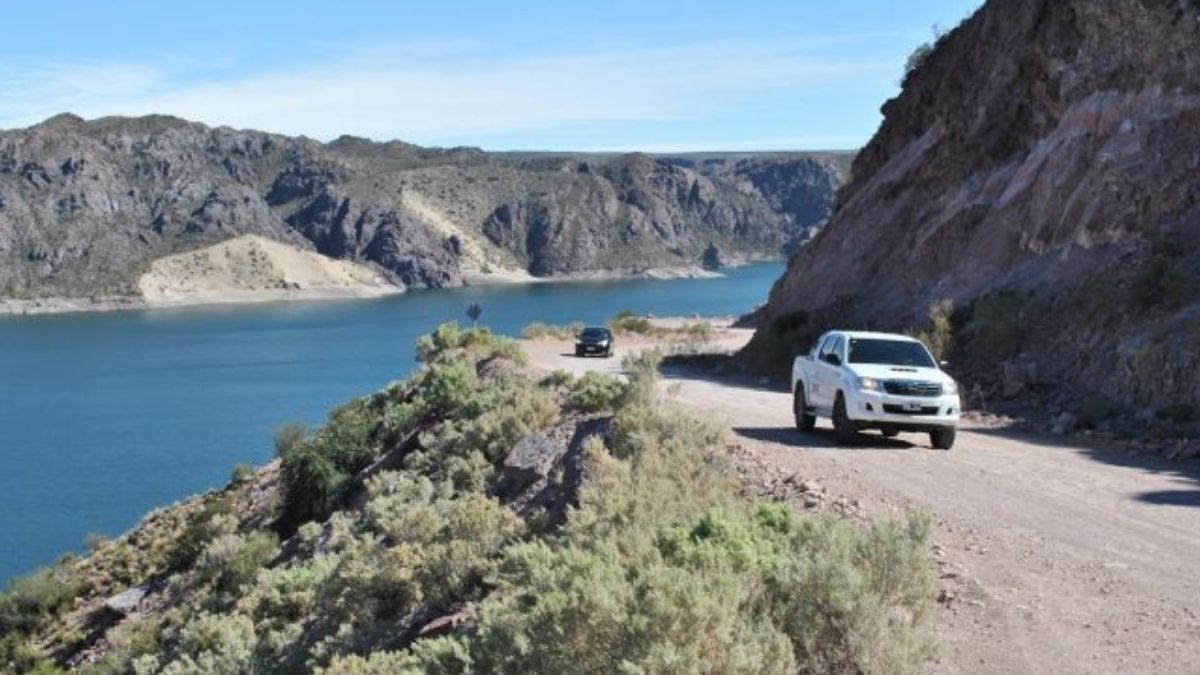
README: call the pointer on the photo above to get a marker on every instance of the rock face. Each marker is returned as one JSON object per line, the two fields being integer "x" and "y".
{"x": 1040, "y": 169}
{"x": 85, "y": 206}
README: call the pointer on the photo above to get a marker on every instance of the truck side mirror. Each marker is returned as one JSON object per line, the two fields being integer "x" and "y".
{"x": 943, "y": 364}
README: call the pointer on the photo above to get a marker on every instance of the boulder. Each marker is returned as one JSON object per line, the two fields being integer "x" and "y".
{"x": 1064, "y": 423}
{"x": 127, "y": 601}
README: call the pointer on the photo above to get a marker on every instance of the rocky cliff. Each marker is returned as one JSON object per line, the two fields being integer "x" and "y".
{"x": 86, "y": 206}
{"x": 1040, "y": 171}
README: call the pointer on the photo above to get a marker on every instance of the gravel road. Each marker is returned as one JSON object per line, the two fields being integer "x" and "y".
{"x": 1055, "y": 555}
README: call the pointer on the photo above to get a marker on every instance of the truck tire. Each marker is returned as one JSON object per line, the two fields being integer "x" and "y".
{"x": 804, "y": 420}
{"x": 843, "y": 427}
{"x": 942, "y": 438}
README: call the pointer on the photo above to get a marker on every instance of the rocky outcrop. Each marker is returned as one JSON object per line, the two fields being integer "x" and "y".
{"x": 1040, "y": 171}
{"x": 85, "y": 206}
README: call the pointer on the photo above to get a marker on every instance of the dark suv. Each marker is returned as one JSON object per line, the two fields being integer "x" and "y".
{"x": 594, "y": 340}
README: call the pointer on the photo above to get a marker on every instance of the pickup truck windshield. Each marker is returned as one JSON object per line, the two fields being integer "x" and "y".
{"x": 890, "y": 353}
{"x": 595, "y": 333}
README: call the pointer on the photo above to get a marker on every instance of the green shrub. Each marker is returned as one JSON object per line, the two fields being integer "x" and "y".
{"x": 1179, "y": 413}
{"x": 938, "y": 335}
{"x": 916, "y": 59}
{"x": 214, "y": 518}
{"x": 27, "y": 602}
{"x": 447, "y": 385}
{"x": 641, "y": 368}
{"x": 998, "y": 325}
{"x": 1160, "y": 282}
{"x": 541, "y": 331}
{"x": 17, "y": 655}
{"x": 312, "y": 486}
{"x": 346, "y": 439}
{"x": 242, "y": 472}
{"x": 208, "y": 645}
{"x": 316, "y": 470}
{"x": 556, "y": 379}
{"x": 288, "y": 436}
{"x": 436, "y": 656}
{"x": 524, "y": 411}
{"x": 230, "y": 561}
{"x": 628, "y": 322}
{"x": 853, "y": 600}
{"x": 478, "y": 344}
{"x": 595, "y": 392}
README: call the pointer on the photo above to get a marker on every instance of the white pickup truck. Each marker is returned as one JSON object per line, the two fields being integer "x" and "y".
{"x": 875, "y": 381}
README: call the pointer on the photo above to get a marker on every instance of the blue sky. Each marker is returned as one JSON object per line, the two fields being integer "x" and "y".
{"x": 594, "y": 75}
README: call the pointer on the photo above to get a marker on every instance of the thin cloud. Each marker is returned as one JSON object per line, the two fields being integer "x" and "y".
{"x": 436, "y": 90}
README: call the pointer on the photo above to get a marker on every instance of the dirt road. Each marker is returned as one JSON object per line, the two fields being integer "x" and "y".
{"x": 1054, "y": 556}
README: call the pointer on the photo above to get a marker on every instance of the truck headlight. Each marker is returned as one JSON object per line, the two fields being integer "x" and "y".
{"x": 950, "y": 388}
{"x": 869, "y": 384}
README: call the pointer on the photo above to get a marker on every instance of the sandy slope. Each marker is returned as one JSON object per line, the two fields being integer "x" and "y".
{"x": 1055, "y": 555}
{"x": 252, "y": 268}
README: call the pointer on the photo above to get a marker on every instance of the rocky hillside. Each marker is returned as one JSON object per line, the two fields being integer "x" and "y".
{"x": 1041, "y": 172}
{"x": 85, "y": 206}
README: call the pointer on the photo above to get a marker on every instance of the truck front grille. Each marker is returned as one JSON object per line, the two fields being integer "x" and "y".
{"x": 912, "y": 388}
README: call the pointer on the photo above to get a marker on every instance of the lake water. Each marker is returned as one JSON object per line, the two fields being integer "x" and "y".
{"x": 106, "y": 416}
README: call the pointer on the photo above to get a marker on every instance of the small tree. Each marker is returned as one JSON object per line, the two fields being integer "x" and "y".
{"x": 474, "y": 311}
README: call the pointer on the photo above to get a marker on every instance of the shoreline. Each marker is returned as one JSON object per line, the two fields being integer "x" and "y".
{"x": 10, "y": 307}
{"x": 57, "y": 305}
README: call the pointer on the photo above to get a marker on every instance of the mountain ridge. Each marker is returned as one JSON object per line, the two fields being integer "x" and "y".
{"x": 87, "y": 206}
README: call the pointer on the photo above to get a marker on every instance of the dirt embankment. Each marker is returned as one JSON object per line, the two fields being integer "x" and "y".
{"x": 251, "y": 268}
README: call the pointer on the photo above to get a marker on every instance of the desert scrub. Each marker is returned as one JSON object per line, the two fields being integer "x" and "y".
{"x": 938, "y": 334}
{"x": 664, "y": 567}
{"x": 997, "y": 325}
{"x": 541, "y": 331}
{"x": 232, "y": 560}
{"x": 595, "y": 392}
{"x": 475, "y": 344}
{"x": 557, "y": 378}
{"x": 627, "y": 322}
{"x": 29, "y": 602}
{"x": 1161, "y": 281}
{"x": 242, "y": 472}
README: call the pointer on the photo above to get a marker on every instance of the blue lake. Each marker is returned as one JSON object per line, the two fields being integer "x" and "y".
{"x": 106, "y": 416}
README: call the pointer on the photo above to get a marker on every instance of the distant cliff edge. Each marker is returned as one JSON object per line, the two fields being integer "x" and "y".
{"x": 86, "y": 207}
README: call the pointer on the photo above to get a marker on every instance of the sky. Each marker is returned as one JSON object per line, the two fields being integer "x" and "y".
{"x": 568, "y": 75}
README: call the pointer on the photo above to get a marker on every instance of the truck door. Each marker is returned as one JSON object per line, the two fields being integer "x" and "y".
{"x": 829, "y": 371}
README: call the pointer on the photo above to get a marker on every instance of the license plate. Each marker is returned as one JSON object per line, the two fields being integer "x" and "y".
{"x": 911, "y": 406}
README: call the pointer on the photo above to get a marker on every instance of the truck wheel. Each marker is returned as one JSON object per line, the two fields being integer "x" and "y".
{"x": 804, "y": 421}
{"x": 942, "y": 438}
{"x": 579, "y": 352}
{"x": 843, "y": 428}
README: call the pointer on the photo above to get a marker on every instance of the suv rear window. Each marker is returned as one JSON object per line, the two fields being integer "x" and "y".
{"x": 890, "y": 353}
